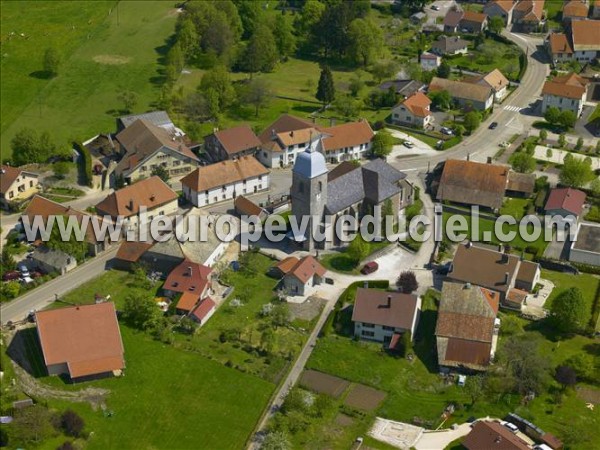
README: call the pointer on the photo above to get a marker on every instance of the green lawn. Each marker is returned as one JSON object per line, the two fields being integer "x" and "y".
{"x": 515, "y": 207}
{"x": 486, "y": 225}
{"x": 508, "y": 61}
{"x": 341, "y": 262}
{"x": 101, "y": 58}
{"x": 170, "y": 398}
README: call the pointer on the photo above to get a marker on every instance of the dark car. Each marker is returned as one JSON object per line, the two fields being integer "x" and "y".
{"x": 493, "y": 125}
{"x": 369, "y": 267}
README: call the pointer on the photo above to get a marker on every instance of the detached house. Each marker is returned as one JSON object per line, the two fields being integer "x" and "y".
{"x": 574, "y": 10}
{"x": 452, "y": 20}
{"x": 146, "y": 146}
{"x": 429, "y": 61}
{"x": 467, "y": 328}
{"x": 465, "y": 94}
{"x": 231, "y": 143}
{"x": 159, "y": 118}
{"x": 414, "y": 111}
{"x": 16, "y": 185}
{"x": 558, "y": 47}
{"x": 528, "y": 15}
{"x": 497, "y": 271}
{"x": 496, "y": 81}
{"x": 500, "y": 8}
{"x": 152, "y": 193}
{"x": 188, "y": 278}
{"x": 300, "y": 276}
{"x": 225, "y": 180}
{"x": 288, "y": 136}
{"x": 449, "y": 45}
{"x": 567, "y": 93}
{"x": 585, "y": 39}
{"x": 473, "y": 22}
{"x": 384, "y": 316}
{"x": 565, "y": 202}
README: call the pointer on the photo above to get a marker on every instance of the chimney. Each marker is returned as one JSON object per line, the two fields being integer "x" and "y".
{"x": 389, "y": 301}
{"x": 130, "y": 204}
{"x": 469, "y": 244}
{"x": 273, "y": 134}
{"x": 506, "y": 278}
{"x": 504, "y": 258}
{"x": 366, "y": 284}
{"x": 489, "y": 160}
{"x": 292, "y": 133}
{"x": 467, "y": 285}
{"x": 190, "y": 271}
{"x": 152, "y": 197}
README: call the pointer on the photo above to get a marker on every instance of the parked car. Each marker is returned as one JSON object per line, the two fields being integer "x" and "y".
{"x": 511, "y": 426}
{"x": 408, "y": 144}
{"x": 493, "y": 125}
{"x": 369, "y": 267}
{"x": 435, "y": 7}
{"x": 447, "y": 131}
{"x": 24, "y": 270}
{"x": 26, "y": 280}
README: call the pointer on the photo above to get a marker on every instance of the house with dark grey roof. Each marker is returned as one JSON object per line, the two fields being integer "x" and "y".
{"x": 53, "y": 261}
{"x": 449, "y": 45}
{"x": 586, "y": 248}
{"x": 158, "y": 118}
{"x": 467, "y": 328}
{"x": 349, "y": 189}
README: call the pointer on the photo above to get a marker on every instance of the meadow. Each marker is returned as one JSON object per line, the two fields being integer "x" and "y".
{"x": 102, "y": 55}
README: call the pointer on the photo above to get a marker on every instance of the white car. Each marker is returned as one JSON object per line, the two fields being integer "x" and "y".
{"x": 435, "y": 7}
{"x": 511, "y": 426}
{"x": 26, "y": 279}
{"x": 447, "y": 131}
{"x": 408, "y": 144}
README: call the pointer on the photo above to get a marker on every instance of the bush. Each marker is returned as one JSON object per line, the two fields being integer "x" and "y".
{"x": 71, "y": 423}
{"x": 85, "y": 162}
{"x": 407, "y": 282}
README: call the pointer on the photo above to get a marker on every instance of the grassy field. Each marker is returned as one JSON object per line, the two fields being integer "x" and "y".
{"x": 516, "y": 207}
{"x": 170, "y": 398}
{"x": 508, "y": 62}
{"x": 486, "y": 225}
{"x": 101, "y": 58}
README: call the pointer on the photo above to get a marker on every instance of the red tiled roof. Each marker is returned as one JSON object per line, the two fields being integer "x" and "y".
{"x": 347, "y": 135}
{"x": 505, "y": 5}
{"x": 568, "y": 86}
{"x": 575, "y": 8}
{"x": 475, "y": 17}
{"x": 559, "y": 43}
{"x": 187, "y": 301}
{"x": 585, "y": 34}
{"x": 569, "y": 199}
{"x": 181, "y": 280}
{"x": 492, "y": 435}
{"x": 246, "y": 206}
{"x": 132, "y": 251}
{"x": 150, "y": 192}
{"x": 306, "y": 268}
{"x": 204, "y": 308}
{"x": 467, "y": 352}
{"x": 371, "y": 306}
{"x": 85, "y": 337}
{"x": 287, "y": 264}
{"x": 237, "y": 139}
{"x": 417, "y": 104}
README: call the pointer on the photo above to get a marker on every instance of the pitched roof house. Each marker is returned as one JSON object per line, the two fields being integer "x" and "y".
{"x": 528, "y": 15}
{"x": 449, "y": 45}
{"x": 414, "y": 111}
{"x": 81, "y": 341}
{"x": 465, "y": 94}
{"x": 231, "y": 143}
{"x": 16, "y": 184}
{"x": 566, "y": 92}
{"x": 152, "y": 193}
{"x": 288, "y": 136}
{"x": 585, "y": 40}
{"x": 246, "y": 207}
{"x": 380, "y": 315}
{"x": 159, "y": 118}
{"x": 574, "y": 9}
{"x": 466, "y": 330}
{"x": 565, "y": 201}
{"x": 188, "y": 277}
{"x": 558, "y": 47}
{"x": 205, "y": 309}
{"x": 147, "y": 146}
{"x": 225, "y": 180}
{"x": 496, "y": 81}
{"x": 452, "y": 20}
{"x": 473, "y": 22}
{"x": 493, "y": 270}
{"x": 303, "y": 276}
{"x": 487, "y": 434}
{"x": 500, "y": 8}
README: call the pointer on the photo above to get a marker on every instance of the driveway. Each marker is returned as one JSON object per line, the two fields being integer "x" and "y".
{"x": 436, "y": 440}
{"x": 400, "y": 151}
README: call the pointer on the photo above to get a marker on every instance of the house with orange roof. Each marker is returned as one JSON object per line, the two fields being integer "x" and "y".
{"x": 231, "y": 143}
{"x": 566, "y": 92}
{"x": 152, "y": 193}
{"x": 288, "y": 136}
{"x": 500, "y": 8}
{"x": 414, "y": 111}
{"x": 203, "y": 311}
{"x": 302, "y": 277}
{"x": 225, "y": 180}
{"x": 574, "y": 10}
{"x": 528, "y": 15}
{"x": 188, "y": 277}
{"x": 585, "y": 39}
{"x": 559, "y": 47}
{"x": 81, "y": 341}
{"x": 146, "y": 146}
{"x": 16, "y": 185}
{"x": 496, "y": 81}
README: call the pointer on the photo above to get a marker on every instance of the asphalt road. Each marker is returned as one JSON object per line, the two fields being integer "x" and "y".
{"x": 39, "y": 297}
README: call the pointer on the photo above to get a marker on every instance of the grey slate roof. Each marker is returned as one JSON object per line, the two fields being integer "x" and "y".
{"x": 53, "y": 258}
{"x": 311, "y": 163}
{"x": 375, "y": 181}
{"x": 158, "y": 118}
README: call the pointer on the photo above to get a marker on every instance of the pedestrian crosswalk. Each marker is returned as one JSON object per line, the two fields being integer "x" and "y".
{"x": 512, "y": 108}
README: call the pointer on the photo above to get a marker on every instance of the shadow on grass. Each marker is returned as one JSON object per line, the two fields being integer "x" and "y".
{"x": 117, "y": 112}
{"x": 25, "y": 350}
{"x": 42, "y": 75}
{"x": 425, "y": 342}
{"x": 304, "y": 108}
{"x": 340, "y": 263}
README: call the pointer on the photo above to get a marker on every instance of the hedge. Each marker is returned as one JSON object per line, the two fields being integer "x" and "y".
{"x": 85, "y": 163}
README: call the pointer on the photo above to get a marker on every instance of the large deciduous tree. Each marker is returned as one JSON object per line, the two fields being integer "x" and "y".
{"x": 261, "y": 52}
{"x": 366, "y": 41}
{"x": 382, "y": 145}
{"x": 576, "y": 172}
{"x": 568, "y": 311}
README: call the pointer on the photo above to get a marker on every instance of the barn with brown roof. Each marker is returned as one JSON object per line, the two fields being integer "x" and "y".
{"x": 225, "y": 180}
{"x": 465, "y": 94}
{"x": 303, "y": 276}
{"x": 231, "y": 143}
{"x": 382, "y": 316}
{"x": 81, "y": 341}
{"x": 466, "y": 330}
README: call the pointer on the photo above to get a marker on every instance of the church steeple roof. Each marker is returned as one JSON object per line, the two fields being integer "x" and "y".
{"x": 311, "y": 162}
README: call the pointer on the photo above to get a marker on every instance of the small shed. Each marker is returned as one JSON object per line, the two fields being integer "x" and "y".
{"x": 50, "y": 260}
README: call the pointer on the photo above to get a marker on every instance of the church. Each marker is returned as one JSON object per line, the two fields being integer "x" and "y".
{"x": 348, "y": 189}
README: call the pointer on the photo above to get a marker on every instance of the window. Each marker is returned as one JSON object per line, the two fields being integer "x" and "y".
{"x": 31, "y": 184}
{"x": 368, "y": 325}
{"x": 11, "y": 194}
{"x": 386, "y": 328}
{"x": 368, "y": 333}
{"x": 320, "y": 187}
{"x": 143, "y": 168}
{"x": 176, "y": 162}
